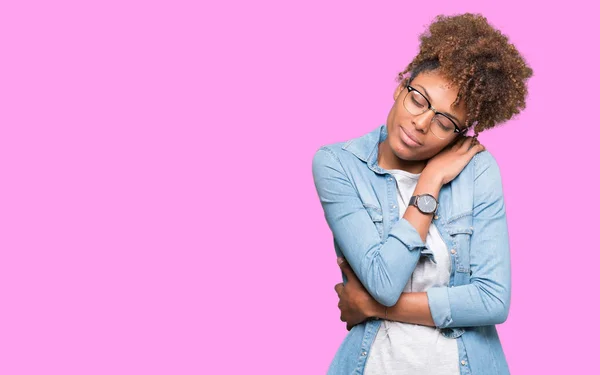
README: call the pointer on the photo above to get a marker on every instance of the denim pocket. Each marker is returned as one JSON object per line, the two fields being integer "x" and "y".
{"x": 461, "y": 245}
{"x": 376, "y": 215}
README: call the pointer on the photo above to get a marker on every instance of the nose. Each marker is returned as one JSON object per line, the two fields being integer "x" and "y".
{"x": 422, "y": 122}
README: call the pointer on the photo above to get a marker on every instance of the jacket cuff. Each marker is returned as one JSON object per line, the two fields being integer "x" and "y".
{"x": 439, "y": 306}
{"x": 404, "y": 232}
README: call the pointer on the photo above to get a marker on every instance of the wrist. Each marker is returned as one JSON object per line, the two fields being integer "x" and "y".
{"x": 378, "y": 311}
{"x": 428, "y": 183}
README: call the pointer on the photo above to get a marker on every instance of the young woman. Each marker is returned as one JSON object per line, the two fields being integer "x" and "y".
{"x": 421, "y": 298}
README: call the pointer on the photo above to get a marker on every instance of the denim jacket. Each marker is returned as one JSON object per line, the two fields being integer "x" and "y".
{"x": 360, "y": 204}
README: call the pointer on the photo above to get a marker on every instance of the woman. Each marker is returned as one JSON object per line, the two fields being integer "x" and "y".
{"x": 421, "y": 298}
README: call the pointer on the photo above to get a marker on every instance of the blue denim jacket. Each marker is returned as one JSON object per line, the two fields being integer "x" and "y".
{"x": 360, "y": 203}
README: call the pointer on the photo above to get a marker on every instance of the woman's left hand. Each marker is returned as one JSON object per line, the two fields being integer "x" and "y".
{"x": 356, "y": 304}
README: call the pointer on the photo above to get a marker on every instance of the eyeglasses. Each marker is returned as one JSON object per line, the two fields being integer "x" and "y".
{"x": 442, "y": 126}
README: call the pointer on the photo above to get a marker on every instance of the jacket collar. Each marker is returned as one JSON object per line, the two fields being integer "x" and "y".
{"x": 366, "y": 148}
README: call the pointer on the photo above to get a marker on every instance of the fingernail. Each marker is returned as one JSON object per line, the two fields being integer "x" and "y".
{"x": 340, "y": 260}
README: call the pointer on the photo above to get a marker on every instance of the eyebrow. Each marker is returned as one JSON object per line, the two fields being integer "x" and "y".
{"x": 447, "y": 114}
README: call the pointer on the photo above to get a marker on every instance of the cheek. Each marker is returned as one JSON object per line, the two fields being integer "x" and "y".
{"x": 430, "y": 151}
{"x": 431, "y": 148}
{"x": 436, "y": 146}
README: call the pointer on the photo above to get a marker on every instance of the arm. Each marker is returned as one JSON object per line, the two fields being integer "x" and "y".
{"x": 383, "y": 268}
{"x": 486, "y": 300}
{"x": 356, "y": 305}
{"x": 411, "y": 308}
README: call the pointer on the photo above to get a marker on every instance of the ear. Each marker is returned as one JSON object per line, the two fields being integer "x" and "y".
{"x": 397, "y": 91}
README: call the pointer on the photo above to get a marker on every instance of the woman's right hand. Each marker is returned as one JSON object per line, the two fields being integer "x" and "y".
{"x": 449, "y": 162}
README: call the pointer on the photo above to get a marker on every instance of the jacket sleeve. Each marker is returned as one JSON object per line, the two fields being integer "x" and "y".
{"x": 486, "y": 300}
{"x": 383, "y": 267}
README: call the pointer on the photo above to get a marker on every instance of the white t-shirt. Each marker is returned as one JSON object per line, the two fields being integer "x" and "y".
{"x": 411, "y": 349}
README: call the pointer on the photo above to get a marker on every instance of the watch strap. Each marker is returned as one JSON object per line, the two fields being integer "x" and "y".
{"x": 413, "y": 201}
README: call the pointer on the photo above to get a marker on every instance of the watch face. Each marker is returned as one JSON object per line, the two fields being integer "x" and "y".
{"x": 426, "y": 203}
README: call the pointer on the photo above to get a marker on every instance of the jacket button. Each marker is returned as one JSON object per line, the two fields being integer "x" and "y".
{"x": 393, "y": 206}
{"x": 453, "y": 251}
{"x": 435, "y": 217}
{"x": 463, "y": 362}
{"x": 363, "y": 354}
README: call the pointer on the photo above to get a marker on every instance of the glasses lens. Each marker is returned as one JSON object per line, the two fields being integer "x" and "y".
{"x": 415, "y": 103}
{"x": 442, "y": 126}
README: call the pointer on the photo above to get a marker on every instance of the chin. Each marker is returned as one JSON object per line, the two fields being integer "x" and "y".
{"x": 406, "y": 153}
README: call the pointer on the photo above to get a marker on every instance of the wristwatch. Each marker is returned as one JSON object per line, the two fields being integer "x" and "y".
{"x": 426, "y": 203}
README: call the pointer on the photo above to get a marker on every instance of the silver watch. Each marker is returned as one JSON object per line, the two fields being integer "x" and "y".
{"x": 426, "y": 203}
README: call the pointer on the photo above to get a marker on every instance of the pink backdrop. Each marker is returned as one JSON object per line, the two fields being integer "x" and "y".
{"x": 157, "y": 208}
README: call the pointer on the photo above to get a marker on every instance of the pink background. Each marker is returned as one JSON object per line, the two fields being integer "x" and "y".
{"x": 157, "y": 208}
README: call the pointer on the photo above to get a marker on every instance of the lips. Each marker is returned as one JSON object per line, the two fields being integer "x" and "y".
{"x": 408, "y": 138}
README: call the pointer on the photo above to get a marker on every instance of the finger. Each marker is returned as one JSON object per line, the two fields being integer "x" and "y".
{"x": 476, "y": 149}
{"x": 346, "y": 269}
{"x": 338, "y": 289}
{"x": 474, "y": 140}
{"x": 459, "y": 142}
{"x": 342, "y": 318}
{"x": 476, "y": 143}
{"x": 466, "y": 145}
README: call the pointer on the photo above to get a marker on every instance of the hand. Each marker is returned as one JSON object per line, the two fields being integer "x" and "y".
{"x": 448, "y": 163}
{"x": 356, "y": 304}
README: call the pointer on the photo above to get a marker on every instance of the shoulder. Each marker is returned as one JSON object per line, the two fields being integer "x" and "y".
{"x": 484, "y": 163}
{"x": 345, "y": 154}
{"x": 481, "y": 167}
{"x": 352, "y": 153}
{"x": 486, "y": 171}
{"x": 328, "y": 155}
{"x": 487, "y": 181}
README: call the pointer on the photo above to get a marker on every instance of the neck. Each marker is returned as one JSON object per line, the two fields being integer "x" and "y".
{"x": 388, "y": 160}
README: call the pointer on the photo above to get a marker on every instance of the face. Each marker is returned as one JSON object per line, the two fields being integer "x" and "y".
{"x": 410, "y": 137}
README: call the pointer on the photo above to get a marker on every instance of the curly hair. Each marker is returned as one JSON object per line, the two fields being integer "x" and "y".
{"x": 488, "y": 70}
